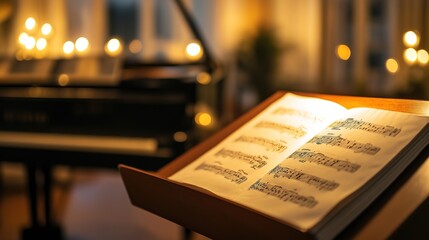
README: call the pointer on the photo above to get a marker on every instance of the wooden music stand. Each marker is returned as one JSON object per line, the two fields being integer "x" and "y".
{"x": 220, "y": 218}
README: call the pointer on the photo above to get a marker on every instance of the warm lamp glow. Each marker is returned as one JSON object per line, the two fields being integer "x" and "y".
{"x": 135, "y": 46}
{"x": 82, "y": 44}
{"x": 203, "y": 119}
{"x": 343, "y": 52}
{"x": 194, "y": 51}
{"x": 180, "y": 136}
{"x": 422, "y": 57}
{"x": 22, "y": 39}
{"x": 30, "y": 23}
{"x": 392, "y": 65}
{"x": 411, "y": 39}
{"x": 41, "y": 44}
{"x": 63, "y": 80}
{"x": 68, "y": 47}
{"x": 113, "y": 47}
{"x": 30, "y": 43}
{"x": 46, "y": 29}
{"x": 204, "y": 78}
{"x": 410, "y": 55}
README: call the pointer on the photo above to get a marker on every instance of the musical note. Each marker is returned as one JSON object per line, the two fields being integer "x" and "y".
{"x": 284, "y": 194}
{"x": 321, "y": 159}
{"x": 256, "y": 161}
{"x": 234, "y": 176}
{"x": 296, "y": 112}
{"x": 319, "y": 183}
{"x": 351, "y": 123}
{"x": 366, "y": 148}
{"x": 270, "y": 145}
{"x": 294, "y": 131}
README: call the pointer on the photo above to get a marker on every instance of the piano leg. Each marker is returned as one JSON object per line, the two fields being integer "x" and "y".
{"x": 48, "y": 230}
{"x": 47, "y": 188}
{"x": 32, "y": 194}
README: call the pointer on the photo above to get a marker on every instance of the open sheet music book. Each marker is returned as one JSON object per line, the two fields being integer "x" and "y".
{"x": 310, "y": 163}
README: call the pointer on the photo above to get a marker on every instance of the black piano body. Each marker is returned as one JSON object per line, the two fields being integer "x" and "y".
{"x": 150, "y": 106}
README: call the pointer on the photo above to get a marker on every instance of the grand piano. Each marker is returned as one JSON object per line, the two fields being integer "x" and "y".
{"x": 59, "y": 112}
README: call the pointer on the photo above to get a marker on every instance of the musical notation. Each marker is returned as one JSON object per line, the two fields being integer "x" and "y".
{"x": 256, "y": 161}
{"x": 351, "y": 123}
{"x": 365, "y": 148}
{"x": 296, "y": 112}
{"x": 234, "y": 176}
{"x": 284, "y": 194}
{"x": 282, "y": 128}
{"x": 322, "y": 159}
{"x": 319, "y": 183}
{"x": 269, "y": 145}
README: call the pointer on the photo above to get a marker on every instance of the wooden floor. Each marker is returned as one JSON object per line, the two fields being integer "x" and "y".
{"x": 88, "y": 204}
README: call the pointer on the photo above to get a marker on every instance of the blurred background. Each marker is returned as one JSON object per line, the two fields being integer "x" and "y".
{"x": 191, "y": 75}
{"x": 371, "y": 47}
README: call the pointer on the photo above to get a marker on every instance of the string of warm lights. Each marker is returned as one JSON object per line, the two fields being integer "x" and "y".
{"x": 33, "y": 42}
{"x": 411, "y": 55}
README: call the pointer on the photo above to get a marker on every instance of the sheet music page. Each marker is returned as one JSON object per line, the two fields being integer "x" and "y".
{"x": 303, "y": 188}
{"x": 252, "y": 151}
